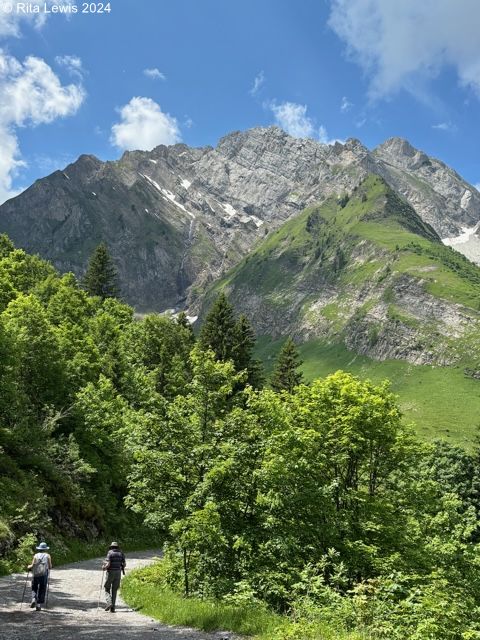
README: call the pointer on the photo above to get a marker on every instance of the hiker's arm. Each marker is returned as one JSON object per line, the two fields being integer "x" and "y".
{"x": 30, "y": 566}
{"x": 49, "y": 561}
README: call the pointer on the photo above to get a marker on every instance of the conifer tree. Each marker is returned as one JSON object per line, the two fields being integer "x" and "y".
{"x": 101, "y": 276}
{"x": 243, "y": 352}
{"x": 218, "y": 331}
{"x": 183, "y": 321}
{"x": 286, "y": 375}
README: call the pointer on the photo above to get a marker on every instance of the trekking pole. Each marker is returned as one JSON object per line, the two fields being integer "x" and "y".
{"x": 48, "y": 588}
{"x": 24, "y": 589}
{"x": 100, "y": 592}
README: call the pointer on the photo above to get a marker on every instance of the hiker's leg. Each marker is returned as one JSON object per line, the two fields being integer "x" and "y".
{"x": 42, "y": 588}
{"x": 34, "y": 589}
{"x": 115, "y": 584}
{"x": 107, "y": 587}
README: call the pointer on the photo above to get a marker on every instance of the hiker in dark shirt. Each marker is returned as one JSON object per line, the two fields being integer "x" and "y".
{"x": 114, "y": 565}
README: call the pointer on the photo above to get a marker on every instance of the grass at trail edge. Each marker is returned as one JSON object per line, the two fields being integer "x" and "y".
{"x": 142, "y": 591}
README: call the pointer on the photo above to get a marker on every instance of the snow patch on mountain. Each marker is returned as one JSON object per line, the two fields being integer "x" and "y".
{"x": 467, "y": 243}
{"x": 168, "y": 195}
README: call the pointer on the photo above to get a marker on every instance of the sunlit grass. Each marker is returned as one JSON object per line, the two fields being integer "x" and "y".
{"x": 165, "y": 605}
{"x": 142, "y": 591}
{"x": 441, "y": 401}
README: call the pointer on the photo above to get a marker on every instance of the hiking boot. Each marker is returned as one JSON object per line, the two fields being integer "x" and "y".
{"x": 108, "y": 608}
{"x": 33, "y": 604}
{"x": 38, "y": 608}
{"x": 112, "y": 609}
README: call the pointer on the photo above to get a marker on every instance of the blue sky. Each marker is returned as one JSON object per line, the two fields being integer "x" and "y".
{"x": 158, "y": 71}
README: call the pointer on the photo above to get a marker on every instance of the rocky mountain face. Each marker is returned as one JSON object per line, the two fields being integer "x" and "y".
{"x": 177, "y": 218}
{"x": 364, "y": 270}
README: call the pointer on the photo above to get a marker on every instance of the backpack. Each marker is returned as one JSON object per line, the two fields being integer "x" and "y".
{"x": 40, "y": 565}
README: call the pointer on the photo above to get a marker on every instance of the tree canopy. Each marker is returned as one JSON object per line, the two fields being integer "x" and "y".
{"x": 101, "y": 277}
{"x": 286, "y": 375}
{"x": 314, "y": 499}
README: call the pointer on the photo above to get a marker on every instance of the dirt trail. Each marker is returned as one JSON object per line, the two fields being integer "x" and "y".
{"x": 72, "y": 609}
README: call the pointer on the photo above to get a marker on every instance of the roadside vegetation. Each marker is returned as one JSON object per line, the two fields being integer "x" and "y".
{"x": 288, "y": 510}
{"x": 313, "y": 503}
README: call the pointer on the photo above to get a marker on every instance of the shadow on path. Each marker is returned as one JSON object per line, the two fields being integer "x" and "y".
{"x": 72, "y": 611}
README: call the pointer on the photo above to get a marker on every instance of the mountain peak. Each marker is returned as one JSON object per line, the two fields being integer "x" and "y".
{"x": 177, "y": 217}
{"x": 400, "y": 152}
{"x": 87, "y": 160}
{"x": 256, "y": 133}
{"x": 397, "y": 146}
{"x": 354, "y": 144}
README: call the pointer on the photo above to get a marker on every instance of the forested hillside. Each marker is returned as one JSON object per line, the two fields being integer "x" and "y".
{"x": 311, "y": 500}
{"x": 75, "y": 371}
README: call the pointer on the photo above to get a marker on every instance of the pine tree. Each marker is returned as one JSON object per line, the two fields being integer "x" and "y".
{"x": 183, "y": 321}
{"x": 218, "y": 331}
{"x": 243, "y": 353}
{"x": 286, "y": 375}
{"x": 244, "y": 342}
{"x": 101, "y": 276}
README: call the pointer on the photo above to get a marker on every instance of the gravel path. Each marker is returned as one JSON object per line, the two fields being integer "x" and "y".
{"x": 72, "y": 609}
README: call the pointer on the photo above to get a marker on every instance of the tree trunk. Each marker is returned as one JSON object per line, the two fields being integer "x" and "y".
{"x": 185, "y": 573}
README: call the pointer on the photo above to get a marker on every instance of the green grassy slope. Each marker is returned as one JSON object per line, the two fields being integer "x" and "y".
{"x": 308, "y": 274}
{"x": 319, "y": 241}
{"x": 442, "y": 402}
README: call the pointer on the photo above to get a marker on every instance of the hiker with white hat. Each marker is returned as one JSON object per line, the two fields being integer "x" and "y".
{"x": 40, "y": 567}
{"x": 114, "y": 566}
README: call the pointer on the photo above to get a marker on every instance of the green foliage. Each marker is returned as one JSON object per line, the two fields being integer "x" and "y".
{"x": 74, "y": 377}
{"x": 424, "y": 392}
{"x": 146, "y": 588}
{"x": 162, "y": 348}
{"x": 232, "y": 339}
{"x": 316, "y": 501}
{"x": 248, "y": 472}
{"x": 286, "y": 375}
{"x": 218, "y": 330}
{"x": 101, "y": 277}
{"x": 243, "y": 353}
{"x": 174, "y": 452}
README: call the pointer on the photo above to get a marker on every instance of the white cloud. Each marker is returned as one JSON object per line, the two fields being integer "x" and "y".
{"x": 143, "y": 126}
{"x": 324, "y": 138}
{"x": 72, "y": 64}
{"x": 403, "y": 44}
{"x": 10, "y": 21}
{"x": 445, "y": 126}
{"x": 258, "y": 82}
{"x": 345, "y": 105}
{"x": 154, "y": 74}
{"x": 30, "y": 94}
{"x": 477, "y": 186}
{"x": 293, "y": 119}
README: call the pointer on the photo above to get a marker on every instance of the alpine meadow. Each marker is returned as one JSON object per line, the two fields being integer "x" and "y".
{"x": 240, "y": 320}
